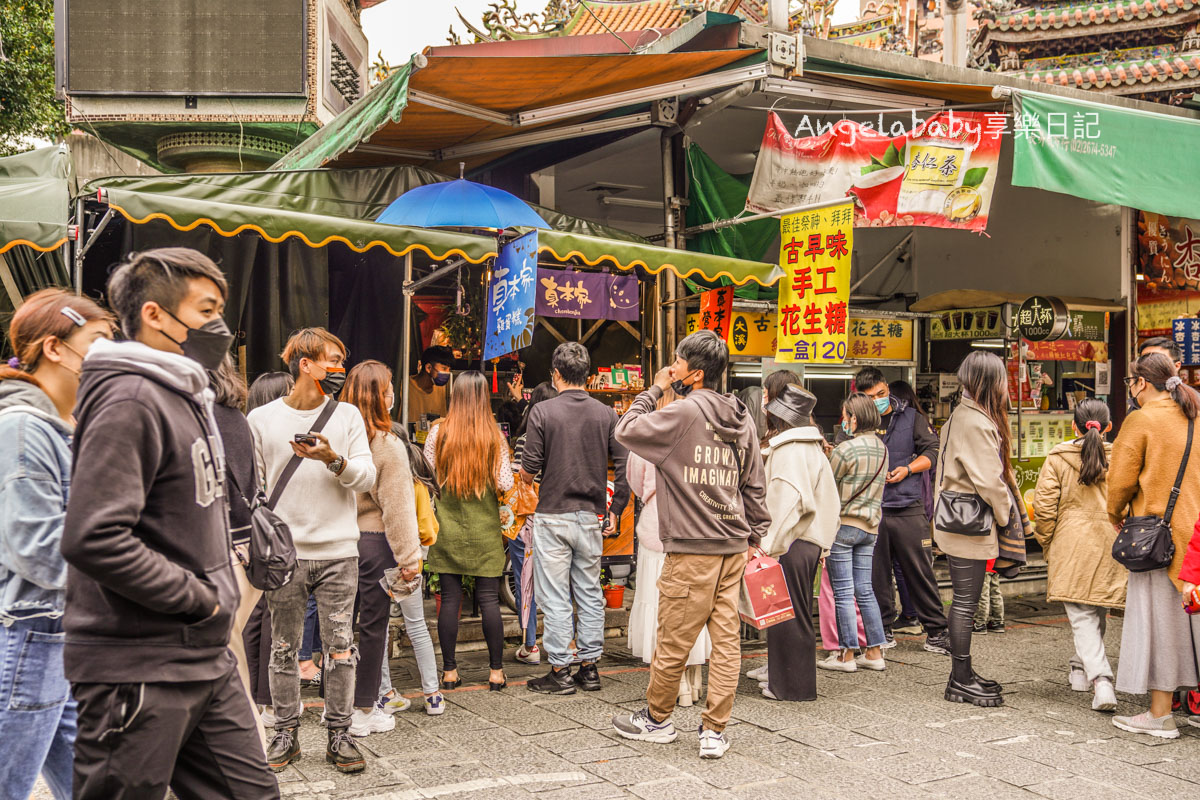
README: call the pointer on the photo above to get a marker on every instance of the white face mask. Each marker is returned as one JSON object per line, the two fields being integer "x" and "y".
{"x": 391, "y": 402}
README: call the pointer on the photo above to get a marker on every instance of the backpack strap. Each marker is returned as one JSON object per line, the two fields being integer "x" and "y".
{"x": 1187, "y": 452}
{"x": 294, "y": 464}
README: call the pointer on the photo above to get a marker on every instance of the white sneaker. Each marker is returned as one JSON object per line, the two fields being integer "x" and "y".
{"x": 835, "y": 664}
{"x": 435, "y": 704}
{"x": 529, "y": 655}
{"x": 1160, "y": 728}
{"x": 877, "y": 664}
{"x": 267, "y": 715}
{"x": 767, "y": 693}
{"x": 759, "y": 674}
{"x": 642, "y": 727}
{"x": 374, "y": 721}
{"x": 394, "y": 704}
{"x": 1078, "y": 679}
{"x": 712, "y": 744}
{"x": 1105, "y": 698}
{"x": 685, "y": 691}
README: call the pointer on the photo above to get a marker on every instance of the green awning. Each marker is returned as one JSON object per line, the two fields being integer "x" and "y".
{"x": 1120, "y": 156}
{"x": 594, "y": 251}
{"x": 315, "y": 206}
{"x": 35, "y": 194}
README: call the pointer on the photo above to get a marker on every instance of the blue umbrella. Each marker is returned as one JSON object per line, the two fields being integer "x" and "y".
{"x": 460, "y": 204}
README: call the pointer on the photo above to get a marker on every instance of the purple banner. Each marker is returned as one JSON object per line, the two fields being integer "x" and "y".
{"x": 587, "y": 295}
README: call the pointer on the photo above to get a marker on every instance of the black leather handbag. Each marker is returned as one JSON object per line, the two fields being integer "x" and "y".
{"x": 1145, "y": 543}
{"x": 964, "y": 513}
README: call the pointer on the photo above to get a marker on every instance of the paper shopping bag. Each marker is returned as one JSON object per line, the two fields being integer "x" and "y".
{"x": 765, "y": 600}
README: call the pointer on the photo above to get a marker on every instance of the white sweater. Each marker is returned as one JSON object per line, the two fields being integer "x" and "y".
{"x": 321, "y": 508}
{"x": 802, "y": 495}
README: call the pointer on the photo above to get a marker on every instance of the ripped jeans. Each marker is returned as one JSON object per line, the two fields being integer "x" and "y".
{"x": 333, "y": 584}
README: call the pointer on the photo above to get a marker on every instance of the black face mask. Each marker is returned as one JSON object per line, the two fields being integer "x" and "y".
{"x": 1134, "y": 403}
{"x": 334, "y": 380}
{"x": 680, "y": 389}
{"x": 206, "y": 345}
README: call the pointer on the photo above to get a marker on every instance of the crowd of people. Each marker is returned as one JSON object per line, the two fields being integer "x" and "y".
{"x": 142, "y": 651}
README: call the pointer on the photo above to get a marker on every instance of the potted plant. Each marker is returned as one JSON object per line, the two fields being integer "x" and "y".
{"x": 614, "y": 593}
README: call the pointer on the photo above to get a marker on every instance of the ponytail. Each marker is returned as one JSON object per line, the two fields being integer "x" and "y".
{"x": 1185, "y": 396}
{"x": 1091, "y": 418}
{"x": 1158, "y": 371}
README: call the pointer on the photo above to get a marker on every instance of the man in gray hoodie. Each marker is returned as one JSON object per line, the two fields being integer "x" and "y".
{"x": 711, "y": 512}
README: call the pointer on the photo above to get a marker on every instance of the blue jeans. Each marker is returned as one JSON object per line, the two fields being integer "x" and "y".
{"x": 849, "y": 564}
{"x": 516, "y": 557}
{"x": 37, "y": 712}
{"x": 566, "y": 560}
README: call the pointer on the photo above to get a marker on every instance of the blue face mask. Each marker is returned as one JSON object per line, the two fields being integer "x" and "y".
{"x": 882, "y": 404}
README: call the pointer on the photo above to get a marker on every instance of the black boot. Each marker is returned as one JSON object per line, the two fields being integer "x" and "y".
{"x": 343, "y": 753}
{"x": 964, "y": 686}
{"x": 283, "y": 749}
{"x": 990, "y": 685}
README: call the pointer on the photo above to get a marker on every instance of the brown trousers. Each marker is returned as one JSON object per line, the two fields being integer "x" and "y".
{"x": 696, "y": 591}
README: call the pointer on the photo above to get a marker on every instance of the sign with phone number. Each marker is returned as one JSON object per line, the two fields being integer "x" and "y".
{"x": 814, "y": 295}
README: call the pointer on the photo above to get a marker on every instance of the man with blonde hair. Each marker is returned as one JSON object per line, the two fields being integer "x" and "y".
{"x": 317, "y": 448}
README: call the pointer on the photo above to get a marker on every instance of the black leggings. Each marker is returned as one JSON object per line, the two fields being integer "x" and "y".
{"x": 966, "y": 576}
{"x": 487, "y": 592}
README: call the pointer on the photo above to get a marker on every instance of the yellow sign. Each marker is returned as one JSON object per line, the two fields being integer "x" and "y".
{"x": 814, "y": 294}
{"x": 751, "y": 333}
{"x": 881, "y": 339}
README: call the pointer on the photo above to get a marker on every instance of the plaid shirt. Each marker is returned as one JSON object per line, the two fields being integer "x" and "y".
{"x": 857, "y": 463}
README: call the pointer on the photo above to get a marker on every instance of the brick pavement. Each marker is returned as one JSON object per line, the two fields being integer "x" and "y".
{"x": 873, "y": 734}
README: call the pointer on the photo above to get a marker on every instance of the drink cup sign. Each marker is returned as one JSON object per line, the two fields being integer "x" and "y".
{"x": 1041, "y": 319}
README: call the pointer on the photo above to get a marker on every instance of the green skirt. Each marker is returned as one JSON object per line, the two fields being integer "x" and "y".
{"x": 469, "y": 540}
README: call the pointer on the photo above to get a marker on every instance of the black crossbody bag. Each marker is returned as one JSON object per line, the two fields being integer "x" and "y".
{"x": 964, "y": 513}
{"x": 1145, "y": 543}
{"x": 272, "y": 559}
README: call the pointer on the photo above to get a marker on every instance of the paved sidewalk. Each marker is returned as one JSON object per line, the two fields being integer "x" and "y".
{"x": 882, "y": 735}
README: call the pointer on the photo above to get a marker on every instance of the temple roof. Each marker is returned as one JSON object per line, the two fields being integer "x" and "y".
{"x": 632, "y": 15}
{"x": 1069, "y": 16}
{"x": 1117, "y": 74}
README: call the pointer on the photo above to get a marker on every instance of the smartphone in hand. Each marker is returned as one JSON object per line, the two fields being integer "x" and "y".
{"x": 306, "y": 439}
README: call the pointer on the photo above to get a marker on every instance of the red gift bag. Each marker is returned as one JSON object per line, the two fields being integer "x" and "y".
{"x": 765, "y": 600}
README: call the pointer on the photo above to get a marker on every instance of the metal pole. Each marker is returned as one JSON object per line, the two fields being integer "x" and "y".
{"x": 729, "y": 223}
{"x": 77, "y": 248}
{"x": 666, "y": 318}
{"x": 406, "y": 346}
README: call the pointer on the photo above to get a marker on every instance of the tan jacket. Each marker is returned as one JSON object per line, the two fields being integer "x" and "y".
{"x": 1145, "y": 458}
{"x": 390, "y": 506}
{"x": 970, "y": 463}
{"x": 1075, "y": 534}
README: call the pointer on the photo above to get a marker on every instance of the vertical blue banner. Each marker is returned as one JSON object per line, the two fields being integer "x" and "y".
{"x": 511, "y": 295}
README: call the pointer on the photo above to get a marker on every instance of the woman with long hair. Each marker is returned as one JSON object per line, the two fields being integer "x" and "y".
{"x": 1158, "y": 639}
{"x": 50, "y": 333}
{"x": 528, "y": 652}
{"x": 643, "y": 614}
{"x": 388, "y": 537}
{"x": 974, "y": 458}
{"x": 471, "y": 460}
{"x": 1070, "y": 506}
{"x": 802, "y": 498}
{"x": 860, "y": 469}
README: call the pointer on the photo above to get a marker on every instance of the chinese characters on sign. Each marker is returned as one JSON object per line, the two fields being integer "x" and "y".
{"x": 1187, "y": 335}
{"x": 510, "y": 298}
{"x": 587, "y": 295}
{"x": 881, "y": 339}
{"x": 751, "y": 333}
{"x": 814, "y": 295}
{"x": 716, "y": 310}
{"x": 1041, "y": 319}
{"x": 967, "y": 323}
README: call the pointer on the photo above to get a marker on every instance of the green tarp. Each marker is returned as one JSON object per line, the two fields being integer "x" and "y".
{"x": 35, "y": 194}
{"x": 1140, "y": 159}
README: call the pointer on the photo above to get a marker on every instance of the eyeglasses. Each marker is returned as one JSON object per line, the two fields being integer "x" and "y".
{"x": 1130, "y": 381}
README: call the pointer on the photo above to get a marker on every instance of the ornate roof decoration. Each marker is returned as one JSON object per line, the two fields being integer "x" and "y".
{"x": 1068, "y": 16}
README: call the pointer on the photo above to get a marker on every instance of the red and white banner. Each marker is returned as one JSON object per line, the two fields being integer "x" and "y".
{"x": 940, "y": 174}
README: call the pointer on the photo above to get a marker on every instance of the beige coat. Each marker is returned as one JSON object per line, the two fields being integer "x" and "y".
{"x": 1075, "y": 533}
{"x": 970, "y": 463}
{"x": 1145, "y": 458}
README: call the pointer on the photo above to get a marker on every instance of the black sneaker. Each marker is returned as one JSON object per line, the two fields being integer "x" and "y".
{"x": 995, "y": 627}
{"x": 979, "y": 628}
{"x": 556, "y": 681}
{"x": 909, "y": 626}
{"x": 343, "y": 753}
{"x": 889, "y": 640}
{"x": 938, "y": 643}
{"x": 587, "y": 678}
{"x": 283, "y": 749}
